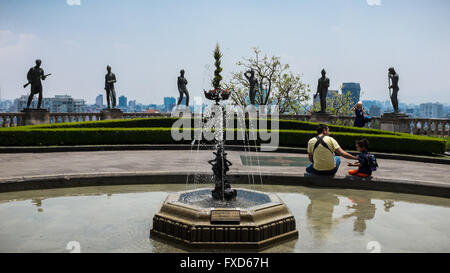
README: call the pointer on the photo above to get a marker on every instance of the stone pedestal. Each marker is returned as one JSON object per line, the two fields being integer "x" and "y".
{"x": 108, "y": 114}
{"x": 395, "y": 122}
{"x": 35, "y": 117}
{"x": 320, "y": 117}
{"x": 254, "y": 221}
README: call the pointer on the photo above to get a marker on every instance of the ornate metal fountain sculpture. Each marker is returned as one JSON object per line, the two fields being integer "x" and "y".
{"x": 220, "y": 165}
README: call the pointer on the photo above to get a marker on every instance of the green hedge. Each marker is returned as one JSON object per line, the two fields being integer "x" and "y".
{"x": 290, "y": 138}
{"x": 168, "y": 122}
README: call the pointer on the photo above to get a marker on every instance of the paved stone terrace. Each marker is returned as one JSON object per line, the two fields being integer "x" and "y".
{"x": 16, "y": 166}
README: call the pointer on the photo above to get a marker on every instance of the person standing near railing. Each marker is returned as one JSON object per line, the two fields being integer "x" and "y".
{"x": 360, "y": 115}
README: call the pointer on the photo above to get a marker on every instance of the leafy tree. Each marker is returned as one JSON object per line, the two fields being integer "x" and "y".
{"x": 277, "y": 84}
{"x": 339, "y": 105}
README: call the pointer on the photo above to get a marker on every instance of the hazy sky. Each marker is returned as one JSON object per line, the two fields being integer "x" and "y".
{"x": 148, "y": 42}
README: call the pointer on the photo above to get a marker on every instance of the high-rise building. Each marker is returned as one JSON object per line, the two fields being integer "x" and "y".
{"x": 353, "y": 89}
{"x": 368, "y": 103}
{"x": 65, "y": 104}
{"x": 375, "y": 110}
{"x": 132, "y": 106}
{"x": 99, "y": 100}
{"x": 58, "y": 104}
{"x": 426, "y": 110}
{"x": 123, "y": 103}
{"x": 437, "y": 110}
{"x": 5, "y": 105}
{"x": 169, "y": 103}
{"x": 21, "y": 103}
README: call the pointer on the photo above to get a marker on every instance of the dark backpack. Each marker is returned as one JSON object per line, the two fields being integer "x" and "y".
{"x": 372, "y": 161}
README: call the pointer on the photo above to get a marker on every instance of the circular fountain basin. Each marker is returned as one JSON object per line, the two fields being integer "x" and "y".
{"x": 118, "y": 219}
{"x": 254, "y": 220}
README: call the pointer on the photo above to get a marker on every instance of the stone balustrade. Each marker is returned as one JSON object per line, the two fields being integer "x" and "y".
{"x": 418, "y": 126}
{"x": 73, "y": 117}
{"x": 145, "y": 115}
{"x": 426, "y": 126}
{"x": 10, "y": 119}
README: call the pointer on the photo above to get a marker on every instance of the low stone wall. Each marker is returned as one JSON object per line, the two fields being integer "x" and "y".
{"x": 133, "y": 178}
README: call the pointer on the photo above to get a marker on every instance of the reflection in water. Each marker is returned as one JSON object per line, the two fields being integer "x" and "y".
{"x": 321, "y": 207}
{"x": 38, "y": 203}
{"x": 320, "y": 213}
{"x": 388, "y": 204}
{"x": 364, "y": 210}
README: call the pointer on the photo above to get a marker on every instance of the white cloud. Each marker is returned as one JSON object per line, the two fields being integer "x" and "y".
{"x": 373, "y": 2}
{"x": 9, "y": 39}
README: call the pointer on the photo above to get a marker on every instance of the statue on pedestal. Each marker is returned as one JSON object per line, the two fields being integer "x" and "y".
{"x": 182, "y": 82}
{"x": 322, "y": 90}
{"x": 34, "y": 77}
{"x": 110, "y": 79}
{"x": 393, "y": 84}
{"x": 253, "y": 82}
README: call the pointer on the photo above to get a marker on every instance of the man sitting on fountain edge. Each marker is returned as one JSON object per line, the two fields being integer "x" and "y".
{"x": 321, "y": 152}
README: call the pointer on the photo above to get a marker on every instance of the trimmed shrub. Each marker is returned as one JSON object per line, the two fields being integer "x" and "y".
{"x": 168, "y": 122}
{"x": 290, "y": 138}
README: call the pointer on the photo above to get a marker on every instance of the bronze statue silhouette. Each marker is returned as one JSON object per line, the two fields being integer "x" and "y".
{"x": 182, "y": 82}
{"x": 322, "y": 90}
{"x": 253, "y": 83}
{"x": 393, "y": 79}
{"x": 34, "y": 77}
{"x": 110, "y": 79}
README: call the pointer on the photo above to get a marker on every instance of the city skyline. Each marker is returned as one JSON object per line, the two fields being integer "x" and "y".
{"x": 147, "y": 43}
{"x": 67, "y": 104}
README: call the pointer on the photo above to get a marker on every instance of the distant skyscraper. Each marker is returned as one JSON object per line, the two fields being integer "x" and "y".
{"x": 438, "y": 110}
{"x": 66, "y": 104}
{"x": 352, "y": 88}
{"x": 123, "y": 102}
{"x": 99, "y": 100}
{"x": 368, "y": 103}
{"x": 58, "y": 104}
{"x": 169, "y": 103}
{"x": 132, "y": 106}
{"x": 426, "y": 110}
{"x": 375, "y": 110}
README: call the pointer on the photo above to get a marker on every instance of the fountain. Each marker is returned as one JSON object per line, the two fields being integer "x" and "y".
{"x": 223, "y": 217}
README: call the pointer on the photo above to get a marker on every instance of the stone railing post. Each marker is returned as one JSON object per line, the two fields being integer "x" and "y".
{"x": 35, "y": 117}
{"x": 108, "y": 114}
{"x": 395, "y": 122}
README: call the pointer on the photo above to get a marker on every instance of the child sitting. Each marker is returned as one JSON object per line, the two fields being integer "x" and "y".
{"x": 366, "y": 162}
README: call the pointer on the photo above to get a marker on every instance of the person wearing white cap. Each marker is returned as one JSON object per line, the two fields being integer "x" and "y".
{"x": 359, "y": 115}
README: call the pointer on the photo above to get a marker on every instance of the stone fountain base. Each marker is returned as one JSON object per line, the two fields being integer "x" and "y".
{"x": 255, "y": 220}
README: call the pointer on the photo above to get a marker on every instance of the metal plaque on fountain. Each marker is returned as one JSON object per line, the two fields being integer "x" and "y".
{"x": 225, "y": 216}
